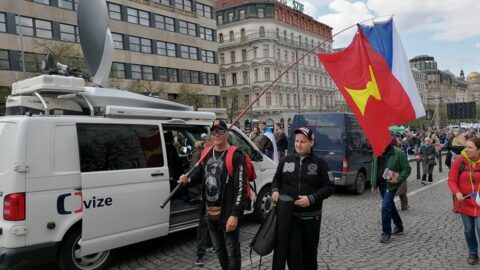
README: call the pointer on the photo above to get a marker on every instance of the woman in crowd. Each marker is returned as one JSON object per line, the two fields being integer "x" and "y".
{"x": 427, "y": 153}
{"x": 464, "y": 183}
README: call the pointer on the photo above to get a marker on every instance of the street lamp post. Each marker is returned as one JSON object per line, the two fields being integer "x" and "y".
{"x": 250, "y": 85}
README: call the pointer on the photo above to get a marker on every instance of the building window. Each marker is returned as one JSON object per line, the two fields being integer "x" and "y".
{"x": 190, "y": 76}
{"x": 68, "y": 4}
{"x": 204, "y": 10}
{"x": 220, "y": 38}
{"x": 234, "y": 78}
{"x": 280, "y": 99}
{"x": 219, "y": 19}
{"x": 30, "y": 62}
{"x": 134, "y": 44}
{"x": 267, "y": 74}
{"x": 3, "y": 23}
{"x": 208, "y": 78}
{"x": 68, "y": 33}
{"x": 164, "y": 23}
{"x": 288, "y": 100}
{"x": 187, "y": 28}
{"x": 244, "y": 55}
{"x": 242, "y": 34}
{"x": 232, "y": 57}
{"x": 206, "y": 33}
{"x": 118, "y": 70}
{"x": 268, "y": 98}
{"x": 163, "y": 2}
{"x": 262, "y": 31}
{"x": 165, "y": 48}
{"x": 4, "y": 60}
{"x": 114, "y": 11}
{"x": 230, "y": 16}
{"x": 245, "y": 77}
{"x": 136, "y": 72}
{"x": 45, "y": 2}
{"x": 27, "y": 26}
{"x": 187, "y": 52}
{"x": 242, "y": 14}
{"x": 232, "y": 36}
{"x": 138, "y": 17}
{"x": 260, "y": 13}
{"x": 222, "y": 59}
{"x": 167, "y": 74}
{"x": 255, "y": 75}
{"x": 43, "y": 29}
{"x": 117, "y": 41}
{"x": 278, "y": 54}
{"x": 147, "y": 73}
{"x": 184, "y": 4}
{"x": 146, "y": 45}
{"x": 266, "y": 50}
{"x": 208, "y": 56}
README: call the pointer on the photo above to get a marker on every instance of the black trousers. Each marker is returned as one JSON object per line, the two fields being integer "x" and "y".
{"x": 226, "y": 245}
{"x": 303, "y": 243}
{"x": 203, "y": 236}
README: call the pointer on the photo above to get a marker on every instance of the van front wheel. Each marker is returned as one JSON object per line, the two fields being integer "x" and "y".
{"x": 69, "y": 255}
{"x": 263, "y": 204}
{"x": 360, "y": 182}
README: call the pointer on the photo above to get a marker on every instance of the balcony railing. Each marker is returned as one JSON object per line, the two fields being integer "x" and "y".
{"x": 267, "y": 35}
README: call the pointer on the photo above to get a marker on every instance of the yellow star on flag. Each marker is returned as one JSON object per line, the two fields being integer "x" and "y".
{"x": 360, "y": 96}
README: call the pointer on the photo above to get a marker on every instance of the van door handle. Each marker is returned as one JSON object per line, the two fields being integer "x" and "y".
{"x": 158, "y": 174}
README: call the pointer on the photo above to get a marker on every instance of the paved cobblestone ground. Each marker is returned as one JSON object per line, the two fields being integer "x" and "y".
{"x": 349, "y": 237}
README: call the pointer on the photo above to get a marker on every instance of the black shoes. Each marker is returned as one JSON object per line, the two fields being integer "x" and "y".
{"x": 200, "y": 261}
{"x": 473, "y": 259}
{"x": 397, "y": 231}
{"x": 384, "y": 238}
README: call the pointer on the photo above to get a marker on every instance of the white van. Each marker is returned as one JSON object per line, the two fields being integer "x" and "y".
{"x": 82, "y": 174}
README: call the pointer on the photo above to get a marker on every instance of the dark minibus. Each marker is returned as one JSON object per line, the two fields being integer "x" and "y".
{"x": 341, "y": 142}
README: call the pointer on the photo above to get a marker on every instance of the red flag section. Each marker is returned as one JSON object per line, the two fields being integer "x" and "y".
{"x": 374, "y": 95}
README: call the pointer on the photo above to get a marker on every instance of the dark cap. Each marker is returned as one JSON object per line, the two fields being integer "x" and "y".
{"x": 219, "y": 124}
{"x": 305, "y": 131}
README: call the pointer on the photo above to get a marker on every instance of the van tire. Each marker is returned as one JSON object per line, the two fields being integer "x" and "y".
{"x": 360, "y": 183}
{"x": 263, "y": 203}
{"x": 68, "y": 261}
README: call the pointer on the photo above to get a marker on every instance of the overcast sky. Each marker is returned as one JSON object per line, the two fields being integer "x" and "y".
{"x": 448, "y": 30}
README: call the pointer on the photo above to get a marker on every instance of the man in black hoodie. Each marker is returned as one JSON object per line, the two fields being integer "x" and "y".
{"x": 304, "y": 177}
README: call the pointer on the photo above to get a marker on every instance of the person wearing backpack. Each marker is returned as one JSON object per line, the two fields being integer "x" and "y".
{"x": 464, "y": 183}
{"x": 304, "y": 177}
{"x": 223, "y": 196}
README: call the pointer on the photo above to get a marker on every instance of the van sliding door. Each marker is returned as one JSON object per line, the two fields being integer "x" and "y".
{"x": 124, "y": 181}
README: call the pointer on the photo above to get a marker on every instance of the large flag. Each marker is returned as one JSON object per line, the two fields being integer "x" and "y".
{"x": 374, "y": 77}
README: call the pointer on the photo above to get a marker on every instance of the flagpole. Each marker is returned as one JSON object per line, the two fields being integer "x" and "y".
{"x": 189, "y": 173}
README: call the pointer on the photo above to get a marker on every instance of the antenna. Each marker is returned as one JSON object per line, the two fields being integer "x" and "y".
{"x": 96, "y": 39}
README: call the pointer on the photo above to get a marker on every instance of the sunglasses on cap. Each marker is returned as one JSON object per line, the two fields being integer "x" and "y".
{"x": 218, "y": 132}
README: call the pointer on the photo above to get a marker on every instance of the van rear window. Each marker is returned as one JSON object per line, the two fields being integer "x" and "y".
{"x": 328, "y": 138}
{"x": 119, "y": 147}
{"x": 8, "y": 137}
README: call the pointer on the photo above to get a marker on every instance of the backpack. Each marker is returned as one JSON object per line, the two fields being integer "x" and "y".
{"x": 250, "y": 174}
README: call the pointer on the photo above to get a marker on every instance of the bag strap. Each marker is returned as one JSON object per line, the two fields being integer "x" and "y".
{"x": 229, "y": 159}
{"x": 204, "y": 152}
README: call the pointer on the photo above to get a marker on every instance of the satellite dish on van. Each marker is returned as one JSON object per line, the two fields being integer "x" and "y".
{"x": 96, "y": 38}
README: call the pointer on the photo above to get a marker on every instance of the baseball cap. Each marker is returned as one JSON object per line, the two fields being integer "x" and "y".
{"x": 219, "y": 124}
{"x": 305, "y": 131}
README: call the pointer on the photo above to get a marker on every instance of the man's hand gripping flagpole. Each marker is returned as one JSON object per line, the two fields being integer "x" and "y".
{"x": 246, "y": 109}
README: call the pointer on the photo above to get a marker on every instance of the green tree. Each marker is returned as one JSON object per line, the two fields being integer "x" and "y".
{"x": 230, "y": 102}
{"x": 64, "y": 52}
{"x": 190, "y": 95}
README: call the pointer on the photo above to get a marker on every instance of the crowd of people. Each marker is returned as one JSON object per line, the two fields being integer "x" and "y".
{"x": 304, "y": 177}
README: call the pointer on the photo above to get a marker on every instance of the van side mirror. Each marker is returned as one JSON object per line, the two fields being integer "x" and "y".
{"x": 257, "y": 156}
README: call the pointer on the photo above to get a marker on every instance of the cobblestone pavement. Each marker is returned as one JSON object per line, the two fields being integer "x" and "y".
{"x": 349, "y": 237}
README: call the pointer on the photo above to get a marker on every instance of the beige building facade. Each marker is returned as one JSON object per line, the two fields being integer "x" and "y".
{"x": 160, "y": 45}
{"x": 258, "y": 41}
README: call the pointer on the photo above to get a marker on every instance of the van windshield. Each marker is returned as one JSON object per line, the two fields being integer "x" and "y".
{"x": 7, "y": 143}
{"x": 328, "y": 138}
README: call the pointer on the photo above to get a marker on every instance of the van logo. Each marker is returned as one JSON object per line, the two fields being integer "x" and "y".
{"x": 94, "y": 202}
{"x": 61, "y": 203}
{"x": 312, "y": 169}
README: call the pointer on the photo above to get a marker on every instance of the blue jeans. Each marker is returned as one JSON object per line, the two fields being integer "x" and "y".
{"x": 226, "y": 245}
{"x": 389, "y": 211}
{"x": 469, "y": 224}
